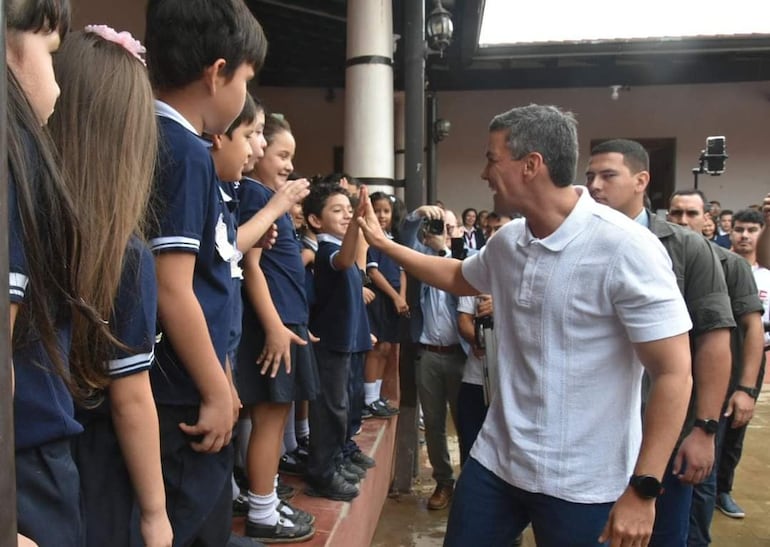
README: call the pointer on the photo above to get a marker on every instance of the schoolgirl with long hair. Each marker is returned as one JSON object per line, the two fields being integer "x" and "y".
{"x": 44, "y": 238}
{"x": 106, "y": 134}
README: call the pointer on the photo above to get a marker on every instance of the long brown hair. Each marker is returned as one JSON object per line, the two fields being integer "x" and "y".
{"x": 49, "y": 225}
{"x": 105, "y": 130}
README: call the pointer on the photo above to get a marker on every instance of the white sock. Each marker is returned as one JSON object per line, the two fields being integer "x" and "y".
{"x": 370, "y": 393}
{"x": 379, "y": 388}
{"x": 302, "y": 428}
{"x": 236, "y": 488}
{"x": 262, "y": 508}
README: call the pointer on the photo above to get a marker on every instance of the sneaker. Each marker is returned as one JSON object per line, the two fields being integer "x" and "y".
{"x": 290, "y": 465}
{"x": 377, "y": 409}
{"x": 240, "y": 506}
{"x": 441, "y": 497}
{"x": 284, "y": 491}
{"x": 337, "y": 489}
{"x": 362, "y": 460}
{"x": 727, "y": 505}
{"x": 284, "y": 531}
{"x": 366, "y": 413}
{"x": 353, "y": 468}
{"x": 294, "y": 514}
{"x": 304, "y": 442}
{"x": 421, "y": 424}
{"x": 349, "y": 476}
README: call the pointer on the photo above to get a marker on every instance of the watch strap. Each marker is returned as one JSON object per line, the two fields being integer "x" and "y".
{"x": 750, "y": 391}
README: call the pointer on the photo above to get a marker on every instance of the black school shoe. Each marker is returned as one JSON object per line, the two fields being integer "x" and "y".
{"x": 294, "y": 514}
{"x": 284, "y": 531}
{"x": 349, "y": 476}
{"x": 362, "y": 460}
{"x": 290, "y": 465}
{"x": 240, "y": 506}
{"x": 337, "y": 489}
{"x": 353, "y": 468}
{"x": 284, "y": 491}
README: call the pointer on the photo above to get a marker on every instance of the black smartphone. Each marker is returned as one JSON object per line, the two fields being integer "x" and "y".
{"x": 458, "y": 248}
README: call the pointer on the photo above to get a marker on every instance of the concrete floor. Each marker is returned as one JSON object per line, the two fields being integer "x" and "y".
{"x": 406, "y": 522}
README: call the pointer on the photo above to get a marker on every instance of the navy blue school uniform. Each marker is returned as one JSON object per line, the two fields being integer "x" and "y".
{"x": 192, "y": 218}
{"x": 111, "y": 514}
{"x": 285, "y": 276}
{"x": 383, "y": 316}
{"x": 230, "y": 197}
{"x": 47, "y": 482}
{"x": 339, "y": 319}
{"x": 312, "y": 245}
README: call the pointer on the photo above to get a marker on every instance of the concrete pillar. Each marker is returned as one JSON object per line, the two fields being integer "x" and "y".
{"x": 369, "y": 94}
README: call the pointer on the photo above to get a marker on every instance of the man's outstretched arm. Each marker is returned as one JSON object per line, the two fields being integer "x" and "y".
{"x": 442, "y": 273}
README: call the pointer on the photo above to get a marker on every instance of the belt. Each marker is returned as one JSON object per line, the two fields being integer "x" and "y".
{"x": 454, "y": 348}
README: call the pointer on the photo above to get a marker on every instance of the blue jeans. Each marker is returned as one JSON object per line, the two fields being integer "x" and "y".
{"x": 672, "y": 512}
{"x": 486, "y": 510}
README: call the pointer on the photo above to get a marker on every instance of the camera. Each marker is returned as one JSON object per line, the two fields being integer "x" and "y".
{"x": 715, "y": 156}
{"x": 435, "y": 226}
{"x": 480, "y": 325}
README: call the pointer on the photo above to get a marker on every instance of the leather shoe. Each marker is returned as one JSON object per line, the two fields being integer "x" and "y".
{"x": 337, "y": 489}
{"x": 441, "y": 497}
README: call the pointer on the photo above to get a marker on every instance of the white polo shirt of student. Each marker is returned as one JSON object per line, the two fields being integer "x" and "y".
{"x": 567, "y": 421}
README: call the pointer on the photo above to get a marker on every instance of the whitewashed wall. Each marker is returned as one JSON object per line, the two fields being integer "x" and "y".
{"x": 741, "y": 112}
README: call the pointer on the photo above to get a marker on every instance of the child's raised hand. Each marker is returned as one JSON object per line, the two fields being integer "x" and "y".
{"x": 291, "y": 192}
{"x": 278, "y": 348}
{"x": 367, "y": 220}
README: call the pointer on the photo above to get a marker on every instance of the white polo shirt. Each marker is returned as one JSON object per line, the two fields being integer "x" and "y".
{"x": 762, "y": 278}
{"x": 567, "y": 421}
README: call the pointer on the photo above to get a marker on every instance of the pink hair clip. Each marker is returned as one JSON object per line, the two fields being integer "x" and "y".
{"x": 125, "y": 39}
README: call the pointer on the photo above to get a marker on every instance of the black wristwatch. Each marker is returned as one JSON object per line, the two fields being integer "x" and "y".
{"x": 751, "y": 391}
{"x": 647, "y": 486}
{"x": 709, "y": 426}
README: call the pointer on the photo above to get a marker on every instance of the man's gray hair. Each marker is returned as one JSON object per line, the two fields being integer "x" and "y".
{"x": 546, "y": 130}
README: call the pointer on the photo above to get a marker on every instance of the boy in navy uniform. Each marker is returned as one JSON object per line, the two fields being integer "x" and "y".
{"x": 201, "y": 54}
{"x": 339, "y": 319}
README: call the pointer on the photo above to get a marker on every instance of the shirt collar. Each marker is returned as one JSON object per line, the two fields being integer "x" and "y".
{"x": 328, "y": 238}
{"x": 569, "y": 228}
{"x": 165, "y": 110}
{"x": 643, "y": 218}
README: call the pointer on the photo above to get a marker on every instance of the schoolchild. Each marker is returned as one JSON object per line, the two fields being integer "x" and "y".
{"x": 120, "y": 446}
{"x": 388, "y": 281}
{"x": 275, "y": 364}
{"x": 200, "y": 56}
{"x": 43, "y": 236}
{"x": 339, "y": 320}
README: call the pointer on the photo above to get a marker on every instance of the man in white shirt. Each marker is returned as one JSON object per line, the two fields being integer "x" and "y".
{"x": 584, "y": 298}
